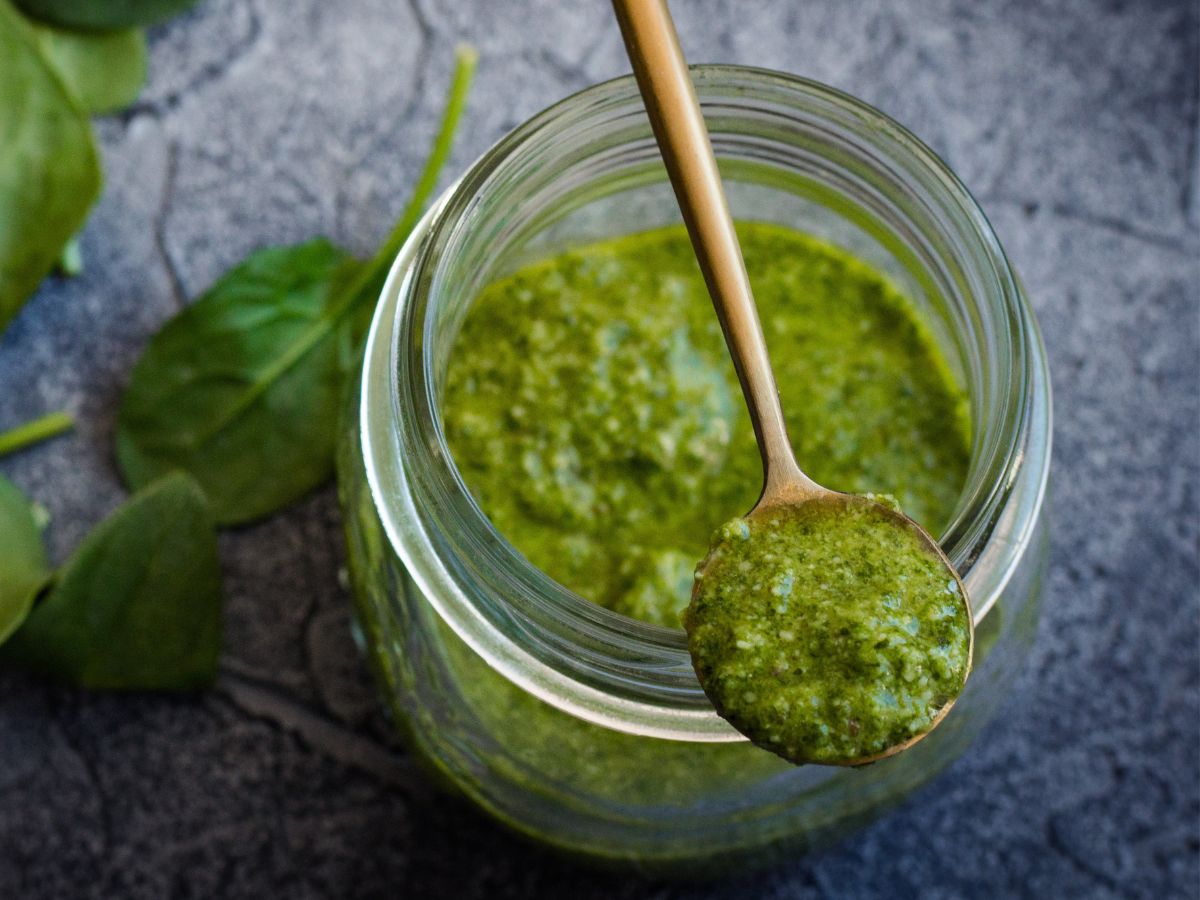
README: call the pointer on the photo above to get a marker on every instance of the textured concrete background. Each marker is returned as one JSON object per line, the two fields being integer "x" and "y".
{"x": 1074, "y": 121}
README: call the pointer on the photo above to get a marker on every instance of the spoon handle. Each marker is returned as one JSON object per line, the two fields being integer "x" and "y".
{"x": 670, "y": 98}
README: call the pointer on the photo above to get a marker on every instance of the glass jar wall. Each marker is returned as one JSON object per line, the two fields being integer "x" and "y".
{"x": 572, "y": 724}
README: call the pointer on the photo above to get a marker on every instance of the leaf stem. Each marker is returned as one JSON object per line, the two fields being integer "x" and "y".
{"x": 35, "y": 431}
{"x": 465, "y": 59}
{"x": 70, "y": 261}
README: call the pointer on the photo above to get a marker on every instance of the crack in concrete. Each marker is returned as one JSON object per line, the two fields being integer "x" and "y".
{"x": 209, "y": 74}
{"x": 314, "y": 577}
{"x": 178, "y": 292}
{"x": 571, "y": 74}
{"x": 327, "y": 736}
{"x": 236, "y": 833}
{"x": 1120, "y": 226}
{"x": 304, "y": 193}
{"x": 1010, "y": 145}
{"x": 424, "y": 53}
{"x": 1107, "y": 223}
{"x": 423, "y": 23}
{"x": 1191, "y": 159}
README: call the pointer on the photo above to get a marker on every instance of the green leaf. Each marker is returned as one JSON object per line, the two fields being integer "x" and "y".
{"x": 243, "y": 388}
{"x": 240, "y": 388}
{"x": 138, "y": 605}
{"x": 35, "y": 431}
{"x": 24, "y": 569}
{"x": 49, "y": 170}
{"x": 104, "y": 14}
{"x": 103, "y": 70}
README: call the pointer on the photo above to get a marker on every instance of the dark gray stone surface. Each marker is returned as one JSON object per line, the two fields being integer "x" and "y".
{"x": 1075, "y": 121}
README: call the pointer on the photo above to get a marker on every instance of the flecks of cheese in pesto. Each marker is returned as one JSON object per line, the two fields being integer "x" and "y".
{"x": 593, "y": 412}
{"x": 827, "y": 633}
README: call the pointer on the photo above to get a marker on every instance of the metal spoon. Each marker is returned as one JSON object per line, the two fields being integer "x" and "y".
{"x": 674, "y": 111}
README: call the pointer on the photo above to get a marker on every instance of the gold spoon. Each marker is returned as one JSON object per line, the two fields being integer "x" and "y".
{"x": 674, "y": 111}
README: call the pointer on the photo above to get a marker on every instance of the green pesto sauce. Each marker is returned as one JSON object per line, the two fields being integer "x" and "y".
{"x": 827, "y": 633}
{"x": 592, "y": 409}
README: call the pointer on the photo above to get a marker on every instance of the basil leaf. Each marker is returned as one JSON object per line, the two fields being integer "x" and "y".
{"x": 104, "y": 71}
{"x": 49, "y": 170}
{"x": 243, "y": 388}
{"x": 104, "y": 14}
{"x": 24, "y": 569}
{"x": 240, "y": 388}
{"x": 138, "y": 605}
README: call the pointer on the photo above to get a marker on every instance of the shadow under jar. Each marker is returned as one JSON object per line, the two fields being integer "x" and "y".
{"x": 574, "y": 725}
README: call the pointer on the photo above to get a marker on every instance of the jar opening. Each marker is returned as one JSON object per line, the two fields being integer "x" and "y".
{"x": 795, "y": 151}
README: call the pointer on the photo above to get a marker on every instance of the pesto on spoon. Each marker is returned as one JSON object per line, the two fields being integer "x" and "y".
{"x": 827, "y": 627}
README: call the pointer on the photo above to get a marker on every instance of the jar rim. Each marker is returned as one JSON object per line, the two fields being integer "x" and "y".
{"x": 580, "y": 657}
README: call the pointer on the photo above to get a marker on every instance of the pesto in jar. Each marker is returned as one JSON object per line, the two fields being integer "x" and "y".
{"x": 592, "y": 409}
{"x": 827, "y": 633}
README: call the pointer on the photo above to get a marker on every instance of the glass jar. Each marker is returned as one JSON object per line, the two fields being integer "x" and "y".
{"x": 572, "y": 724}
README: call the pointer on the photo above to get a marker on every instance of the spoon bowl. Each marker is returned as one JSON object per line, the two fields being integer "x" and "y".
{"x": 797, "y": 493}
